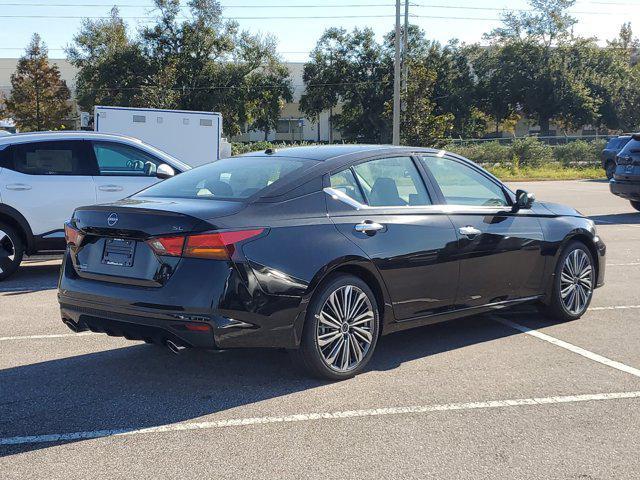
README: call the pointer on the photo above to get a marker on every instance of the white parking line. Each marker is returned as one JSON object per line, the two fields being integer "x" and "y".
{"x": 306, "y": 417}
{"x": 30, "y": 289}
{"x": 632, "y": 264}
{"x": 567, "y": 346}
{"x": 41, "y": 337}
{"x": 616, "y": 307}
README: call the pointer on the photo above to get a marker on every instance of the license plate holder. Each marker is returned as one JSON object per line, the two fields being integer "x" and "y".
{"x": 119, "y": 252}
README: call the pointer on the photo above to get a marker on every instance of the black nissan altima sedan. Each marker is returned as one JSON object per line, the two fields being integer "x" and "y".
{"x": 321, "y": 250}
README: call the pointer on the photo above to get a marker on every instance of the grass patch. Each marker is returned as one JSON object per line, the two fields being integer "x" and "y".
{"x": 546, "y": 172}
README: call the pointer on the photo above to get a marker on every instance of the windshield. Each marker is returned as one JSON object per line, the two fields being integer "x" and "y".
{"x": 229, "y": 179}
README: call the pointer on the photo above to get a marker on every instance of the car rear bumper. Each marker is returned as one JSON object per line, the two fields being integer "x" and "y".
{"x": 213, "y": 308}
{"x": 627, "y": 190}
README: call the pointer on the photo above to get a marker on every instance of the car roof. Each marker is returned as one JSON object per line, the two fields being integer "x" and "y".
{"x": 324, "y": 153}
{"x": 330, "y": 158}
{"x": 66, "y": 135}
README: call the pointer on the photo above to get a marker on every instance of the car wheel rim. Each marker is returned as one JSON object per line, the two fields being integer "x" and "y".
{"x": 345, "y": 328}
{"x": 576, "y": 282}
{"x": 7, "y": 251}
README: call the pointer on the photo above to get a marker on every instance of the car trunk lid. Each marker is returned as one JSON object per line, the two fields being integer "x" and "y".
{"x": 115, "y": 246}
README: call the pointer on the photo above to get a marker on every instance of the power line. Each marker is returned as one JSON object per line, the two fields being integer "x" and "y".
{"x": 109, "y": 5}
{"x": 295, "y": 17}
{"x": 505, "y": 9}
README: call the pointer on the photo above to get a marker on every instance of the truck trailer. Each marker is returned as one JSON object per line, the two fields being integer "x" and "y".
{"x": 195, "y": 138}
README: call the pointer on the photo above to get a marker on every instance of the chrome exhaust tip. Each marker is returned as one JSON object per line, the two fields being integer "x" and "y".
{"x": 174, "y": 347}
{"x": 71, "y": 324}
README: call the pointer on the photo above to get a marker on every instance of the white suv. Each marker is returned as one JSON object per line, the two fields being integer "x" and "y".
{"x": 45, "y": 176}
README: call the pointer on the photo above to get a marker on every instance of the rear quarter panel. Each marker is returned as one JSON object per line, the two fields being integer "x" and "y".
{"x": 302, "y": 247}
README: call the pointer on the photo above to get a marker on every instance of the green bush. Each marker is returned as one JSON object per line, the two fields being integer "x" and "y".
{"x": 578, "y": 152}
{"x": 530, "y": 152}
{"x": 486, "y": 153}
{"x": 238, "y": 148}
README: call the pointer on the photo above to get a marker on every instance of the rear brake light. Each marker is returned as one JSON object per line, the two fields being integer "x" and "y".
{"x": 72, "y": 235}
{"x": 197, "y": 327}
{"x": 216, "y": 246}
{"x": 171, "y": 246}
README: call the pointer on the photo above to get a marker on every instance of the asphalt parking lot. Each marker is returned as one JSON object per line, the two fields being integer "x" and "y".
{"x": 496, "y": 396}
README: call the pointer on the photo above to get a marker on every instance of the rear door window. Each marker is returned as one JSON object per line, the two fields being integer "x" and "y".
{"x": 67, "y": 157}
{"x": 345, "y": 182}
{"x": 392, "y": 182}
{"x": 232, "y": 178}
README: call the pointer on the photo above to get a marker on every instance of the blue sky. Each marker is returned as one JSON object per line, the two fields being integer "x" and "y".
{"x": 600, "y": 18}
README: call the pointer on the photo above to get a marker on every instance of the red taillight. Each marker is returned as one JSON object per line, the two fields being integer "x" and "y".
{"x": 72, "y": 235}
{"x": 216, "y": 246}
{"x": 171, "y": 246}
{"x": 197, "y": 327}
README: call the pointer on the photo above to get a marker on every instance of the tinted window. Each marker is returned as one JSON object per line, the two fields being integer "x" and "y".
{"x": 346, "y": 183}
{"x": 230, "y": 178}
{"x": 5, "y": 158}
{"x": 392, "y": 182}
{"x": 123, "y": 160}
{"x": 53, "y": 158}
{"x": 632, "y": 147}
{"x": 463, "y": 185}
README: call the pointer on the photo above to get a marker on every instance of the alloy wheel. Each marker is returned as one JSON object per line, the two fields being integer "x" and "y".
{"x": 345, "y": 328}
{"x": 7, "y": 251}
{"x": 576, "y": 282}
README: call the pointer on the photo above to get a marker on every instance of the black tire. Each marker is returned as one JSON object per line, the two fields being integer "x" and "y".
{"x": 610, "y": 168}
{"x": 310, "y": 355}
{"x": 11, "y": 251}
{"x": 635, "y": 204}
{"x": 556, "y": 308}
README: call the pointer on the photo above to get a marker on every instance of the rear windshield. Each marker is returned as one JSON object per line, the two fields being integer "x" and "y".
{"x": 632, "y": 146}
{"x": 229, "y": 179}
{"x": 617, "y": 143}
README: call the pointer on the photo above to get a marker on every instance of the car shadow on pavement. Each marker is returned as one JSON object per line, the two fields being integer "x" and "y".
{"x": 617, "y": 219}
{"x": 32, "y": 278}
{"x": 144, "y": 386}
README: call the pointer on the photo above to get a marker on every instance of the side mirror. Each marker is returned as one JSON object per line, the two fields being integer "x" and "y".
{"x": 164, "y": 171}
{"x": 524, "y": 200}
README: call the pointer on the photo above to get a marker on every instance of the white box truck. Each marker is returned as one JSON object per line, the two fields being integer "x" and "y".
{"x": 192, "y": 137}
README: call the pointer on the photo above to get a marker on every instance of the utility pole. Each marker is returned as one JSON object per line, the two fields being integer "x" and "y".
{"x": 396, "y": 80}
{"x": 405, "y": 48}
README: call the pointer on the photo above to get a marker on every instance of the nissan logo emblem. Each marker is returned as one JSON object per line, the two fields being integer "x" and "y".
{"x": 112, "y": 219}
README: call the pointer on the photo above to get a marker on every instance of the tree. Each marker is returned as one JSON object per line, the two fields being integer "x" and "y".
{"x": 39, "y": 99}
{"x": 544, "y": 67}
{"x": 323, "y": 75}
{"x": 111, "y": 66}
{"x": 267, "y": 92}
{"x": 547, "y": 22}
{"x": 420, "y": 124}
{"x": 197, "y": 62}
{"x": 495, "y": 95}
{"x": 217, "y": 67}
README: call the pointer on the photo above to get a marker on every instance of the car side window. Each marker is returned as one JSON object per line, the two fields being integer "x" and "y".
{"x": 52, "y": 158}
{"x": 346, "y": 183}
{"x": 5, "y": 158}
{"x": 116, "y": 159}
{"x": 463, "y": 185}
{"x": 392, "y": 182}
